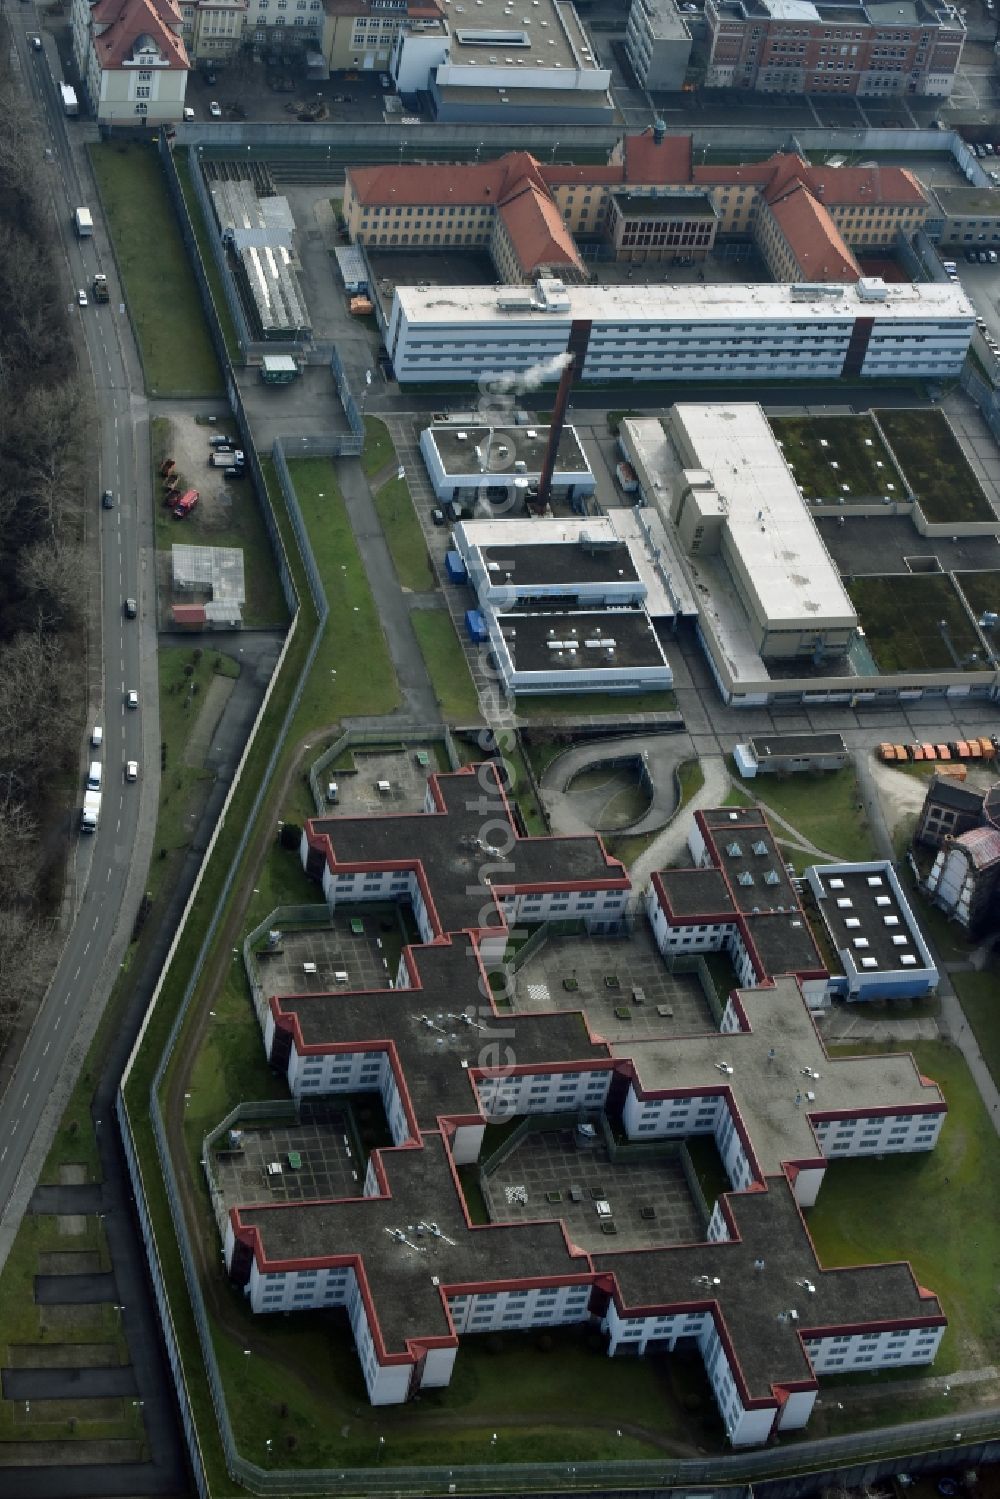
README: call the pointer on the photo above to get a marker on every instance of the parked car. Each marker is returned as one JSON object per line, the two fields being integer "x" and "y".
{"x": 970, "y": 256}
{"x": 215, "y": 110}
{"x": 991, "y": 256}
{"x": 437, "y": 517}
{"x": 107, "y": 500}
{"x": 188, "y": 112}
{"x": 385, "y": 80}
{"x": 220, "y": 440}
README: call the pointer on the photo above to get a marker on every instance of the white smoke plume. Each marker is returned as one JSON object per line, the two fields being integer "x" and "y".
{"x": 531, "y": 378}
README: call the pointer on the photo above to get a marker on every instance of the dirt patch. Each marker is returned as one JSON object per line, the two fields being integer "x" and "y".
{"x": 45, "y": 1453}
{"x": 64, "y": 1318}
{"x": 62, "y": 1356}
{"x": 72, "y": 1174}
{"x": 213, "y": 703}
{"x": 71, "y": 1223}
{"x": 69, "y": 1262}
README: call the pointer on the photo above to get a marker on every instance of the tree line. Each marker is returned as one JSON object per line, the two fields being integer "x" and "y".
{"x": 43, "y": 579}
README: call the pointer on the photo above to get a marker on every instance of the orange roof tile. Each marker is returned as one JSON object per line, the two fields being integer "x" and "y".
{"x": 813, "y": 238}
{"x": 648, "y": 160}
{"x": 866, "y": 185}
{"x": 536, "y": 230}
{"x": 125, "y": 22}
{"x": 486, "y": 182}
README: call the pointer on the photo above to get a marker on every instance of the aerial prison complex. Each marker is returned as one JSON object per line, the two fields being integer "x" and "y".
{"x": 744, "y": 1288}
{"x": 546, "y": 228}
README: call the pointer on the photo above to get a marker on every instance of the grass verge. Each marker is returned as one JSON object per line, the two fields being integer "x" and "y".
{"x": 379, "y": 449}
{"x": 979, "y": 996}
{"x": 446, "y": 665}
{"x": 824, "y": 808}
{"x": 927, "y": 1208}
{"x": 404, "y": 536}
{"x": 177, "y": 353}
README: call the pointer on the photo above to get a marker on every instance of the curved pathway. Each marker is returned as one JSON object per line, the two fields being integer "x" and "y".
{"x": 661, "y": 754}
{"x": 671, "y": 845}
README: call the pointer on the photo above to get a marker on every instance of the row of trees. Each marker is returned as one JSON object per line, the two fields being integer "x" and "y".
{"x": 43, "y": 582}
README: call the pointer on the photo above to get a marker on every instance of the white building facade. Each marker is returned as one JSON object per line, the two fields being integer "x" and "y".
{"x": 691, "y": 332}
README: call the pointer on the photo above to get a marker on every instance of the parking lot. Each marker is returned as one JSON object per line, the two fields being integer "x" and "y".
{"x": 621, "y": 984}
{"x": 638, "y": 1204}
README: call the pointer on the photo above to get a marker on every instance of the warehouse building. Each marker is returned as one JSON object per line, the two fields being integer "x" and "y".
{"x": 683, "y": 332}
{"x": 403, "y": 1258}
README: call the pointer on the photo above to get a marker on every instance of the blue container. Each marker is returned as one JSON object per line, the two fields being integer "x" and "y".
{"x": 454, "y": 566}
{"x": 476, "y": 625}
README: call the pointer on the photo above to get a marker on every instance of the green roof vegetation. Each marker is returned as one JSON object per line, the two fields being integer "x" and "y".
{"x": 936, "y": 469}
{"x": 915, "y": 622}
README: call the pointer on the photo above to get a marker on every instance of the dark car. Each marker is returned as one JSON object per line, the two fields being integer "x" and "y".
{"x": 131, "y": 608}
{"x": 437, "y": 516}
{"x": 108, "y": 500}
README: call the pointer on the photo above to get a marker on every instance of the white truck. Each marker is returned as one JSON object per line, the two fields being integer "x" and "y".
{"x": 83, "y": 222}
{"x": 70, "y": 103}
{"x": 227, "y": 458}
{"x": 91, "y": 814}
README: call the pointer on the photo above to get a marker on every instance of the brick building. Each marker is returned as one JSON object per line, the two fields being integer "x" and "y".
{"x": 795, "y": 47}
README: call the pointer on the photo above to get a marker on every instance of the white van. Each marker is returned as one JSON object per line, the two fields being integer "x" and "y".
{"x": 94, "y": 776}
{"x": 97, "y": 737}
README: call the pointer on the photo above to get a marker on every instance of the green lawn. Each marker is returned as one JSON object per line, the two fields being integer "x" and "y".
{"x": 823, "y": 807}
{"x": 379, "y": 449}
{"x": 177, "y": 353}
{"x": 594, "y": 704}
{"x": 185, "y": 676}
{"x": 690, "y": 779}
{"x": 212, "y": 272}
{"x": 504, "y": 1385}
{"x": 901, "y": 615}
{"x": 243, "y": 527}
{"x": 847, "y": 440}
{"x": 928, "y": 1208}
{"x": 449, "y": 674}
{"x": 352, "y": 673}
{"x": 936, "y": 469}
{"x": 404, "y": 536}
{"x": 979, "y": 996}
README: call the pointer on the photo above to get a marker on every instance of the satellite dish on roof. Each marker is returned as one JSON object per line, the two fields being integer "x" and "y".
{"x": 991, "y": 806}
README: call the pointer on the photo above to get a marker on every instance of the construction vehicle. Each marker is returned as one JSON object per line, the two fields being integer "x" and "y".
{"x": 227, "y": 458}
{"x": 100, "y": 287}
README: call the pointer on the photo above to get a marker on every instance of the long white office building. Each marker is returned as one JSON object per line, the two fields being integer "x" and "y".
{"x": 684, "y": 332}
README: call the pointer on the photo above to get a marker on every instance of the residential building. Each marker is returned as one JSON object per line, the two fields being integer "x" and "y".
{"x": 131, "y": 57}
{"x": 871, "y": 48}
{"x": 681, "y": 332}
{"x": 402, "y": 1256}
{"x": 658, "y": 44}
{"x": 870, "y": 925}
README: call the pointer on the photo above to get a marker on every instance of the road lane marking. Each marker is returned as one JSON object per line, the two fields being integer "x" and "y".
{"x": 34, "y": 1076}
{"x": 46, "y": 1051}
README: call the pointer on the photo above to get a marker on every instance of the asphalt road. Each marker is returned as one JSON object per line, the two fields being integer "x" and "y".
{"x": 104, "y": 860}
